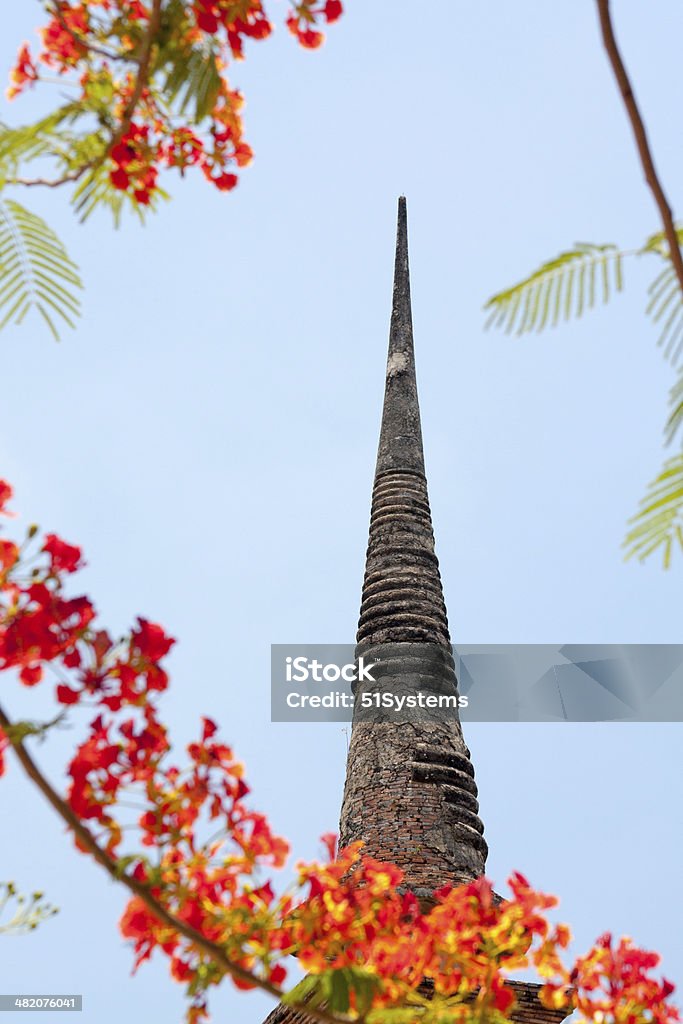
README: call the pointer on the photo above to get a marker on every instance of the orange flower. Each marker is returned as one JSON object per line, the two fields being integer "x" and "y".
{"x": 23, "y": 73}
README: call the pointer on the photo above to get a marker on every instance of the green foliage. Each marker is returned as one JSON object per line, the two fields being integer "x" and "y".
{"x": 19, "y": 731}
{"x": 561, "y": 288}
{"x": 192, "y": 78}
{"x": 659, "y": 520}
{"x": 657, "y": 242}
{"x": 675, "y": 420}
{"x": 309, "y": 990}
{"x": 29, "y": 911}
{"x": 94, "y": 189}
{"x": 565, "y": 287}
{"x": 35, "y": 270}
{"x": 334, "y": 989}
{"x": 45, "y": 138}
{"x": 665, "y": 306}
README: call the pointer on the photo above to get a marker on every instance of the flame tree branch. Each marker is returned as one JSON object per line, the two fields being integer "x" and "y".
{"x": 142, "y": 891}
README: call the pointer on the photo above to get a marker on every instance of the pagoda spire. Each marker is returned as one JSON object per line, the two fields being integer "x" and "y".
{"x": 402, "y": 595}
{"x": 400, "y": 443}
{"x": 410, "y": 793}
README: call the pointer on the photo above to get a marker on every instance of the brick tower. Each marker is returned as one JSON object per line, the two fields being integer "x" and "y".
{"x": 410, "y": 793}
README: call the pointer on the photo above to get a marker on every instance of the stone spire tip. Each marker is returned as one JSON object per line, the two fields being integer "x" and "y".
{"x": 400, "y": 445}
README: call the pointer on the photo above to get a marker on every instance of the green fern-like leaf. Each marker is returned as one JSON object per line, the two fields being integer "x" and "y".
{"x": 95, "y": 189}
{"x": 193, "y": 78}
{"x": 675, "y": 420}
{"x": 665, "y": 306}
{"x": 35, "y": 270}
{"x": 48, "y": 137}
{"x": 561, "y": 288}
{"x": 659, "y": 521}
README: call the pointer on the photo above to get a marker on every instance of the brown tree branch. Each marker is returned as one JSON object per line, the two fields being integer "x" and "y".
{"x": 640, "y": 135}
{"x": 142, "y": 76}
{"x": 142, "y": 891}
{"x": 51, "y": 182}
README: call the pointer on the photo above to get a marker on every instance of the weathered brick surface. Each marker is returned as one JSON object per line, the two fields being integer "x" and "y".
{"x": 410, "y": 793}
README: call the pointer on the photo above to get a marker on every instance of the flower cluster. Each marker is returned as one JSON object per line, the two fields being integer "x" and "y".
{"x": 153, "y": 76}
{"x": 301, "y": 22}
{"x": 613, "y": 983}
{"x": 357, "y": 917}
{"x": 207, "y": 844}
{"x": 206, "y": 885}
{"x": 193, "y": 851}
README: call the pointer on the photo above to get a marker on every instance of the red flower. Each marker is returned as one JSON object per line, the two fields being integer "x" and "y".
{"x": 9, "y": 553}
{"x": 329, "y": 841}
{"x": 333, "y": 10}
{"x": 504, "y": 997}
{"x": 150, "y": 640}
{"x": 65, "y": 695}
{"x": 210, "y": 728}
{"x": 180, "y": 970}
{"x": 311, "y": 39}
{"x": 278, "y": 974}
{"x": 6, "y": 493}
{"x": 31, "y": 674}
{"x": 206, "y": 17}
{"x": 63, "y": 557}
{"x": 72, "y": 659}
{"x": 225, "y": 182}
{"x": 122, "y": 154}
{"x": 119, "y": 179}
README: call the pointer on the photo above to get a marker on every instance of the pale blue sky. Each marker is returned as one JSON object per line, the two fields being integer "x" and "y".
{"x": 209, "y": 433}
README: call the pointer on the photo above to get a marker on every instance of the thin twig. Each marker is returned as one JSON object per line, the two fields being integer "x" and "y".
{"x": 640, "y": 135}
{"x": 142, "y": 891}
{"x": 52, "y": 182}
